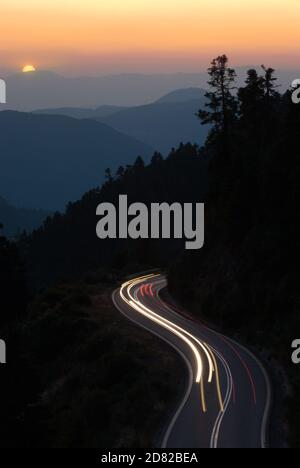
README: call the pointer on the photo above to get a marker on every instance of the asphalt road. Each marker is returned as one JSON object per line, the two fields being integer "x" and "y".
{"x": 228, "y": 396}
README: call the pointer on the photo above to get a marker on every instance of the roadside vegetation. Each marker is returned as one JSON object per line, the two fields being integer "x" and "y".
{"x": 246, "y": 279}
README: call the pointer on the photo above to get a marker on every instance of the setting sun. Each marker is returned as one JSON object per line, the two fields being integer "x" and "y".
{"x": 28, "y": 68}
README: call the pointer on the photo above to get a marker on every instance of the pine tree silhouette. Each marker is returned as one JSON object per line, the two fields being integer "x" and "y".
{"x": 221, "y": 102}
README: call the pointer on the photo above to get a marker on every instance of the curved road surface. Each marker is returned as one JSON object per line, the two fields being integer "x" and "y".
{"x": 228, "y": 396}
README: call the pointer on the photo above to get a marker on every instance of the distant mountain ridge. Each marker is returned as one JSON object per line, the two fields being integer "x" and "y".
{"x": 82, "y": 113}
{"x": 42, "y": 89}
{"x": 182, "y": 95}
{"x": 49, "y": 160}
{"x": 176, "y": 96}
{"x": 163, "y": 124}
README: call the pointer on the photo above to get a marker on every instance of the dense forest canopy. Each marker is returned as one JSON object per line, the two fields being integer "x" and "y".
{"x": 67, "y": 246}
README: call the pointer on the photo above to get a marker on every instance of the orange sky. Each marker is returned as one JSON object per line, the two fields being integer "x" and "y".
{"x": 146, "y": 35}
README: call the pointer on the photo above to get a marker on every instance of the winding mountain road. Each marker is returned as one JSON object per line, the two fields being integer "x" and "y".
{"x": 228, "y": 396}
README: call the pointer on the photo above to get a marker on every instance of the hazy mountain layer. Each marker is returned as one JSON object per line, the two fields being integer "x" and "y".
{"x": 38, "y": 90}
{"x": 47, "y": 161}
{"x": 163, "y": 124}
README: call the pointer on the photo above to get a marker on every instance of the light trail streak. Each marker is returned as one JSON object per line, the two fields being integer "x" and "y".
{"x": 137, "y": 296}
{"x": 202, "y": 345}
{"x": 219, "y": 391}
{"x": 180, "y": 332}
{"x": 156, "y": 318}
{"x": 216, "y": 430}
{"x": 135, "y": 299}
{"x": 202, "y": 395}
{"x": 222, "y": 337}
{"x": 245, "y": 367}
{"x": 211, "y": 356}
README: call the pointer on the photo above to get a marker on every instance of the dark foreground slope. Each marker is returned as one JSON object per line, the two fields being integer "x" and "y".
{"x": 81, "y": 376}
{"x": 15, "y": 220}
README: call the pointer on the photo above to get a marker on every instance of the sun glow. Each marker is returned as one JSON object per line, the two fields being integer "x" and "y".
{"x": 144, "y": 35}
{"x": 28, "y": 68}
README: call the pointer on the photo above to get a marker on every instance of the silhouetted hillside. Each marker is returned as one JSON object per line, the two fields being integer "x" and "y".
{"x": 46, "y": 161}
{"x": 13, "y": 287}
{"x": 67, "y": 246}
{"x": 16, "y": 220}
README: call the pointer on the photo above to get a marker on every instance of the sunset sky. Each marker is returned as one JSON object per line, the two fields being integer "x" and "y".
{"x": 96, "y": 36}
